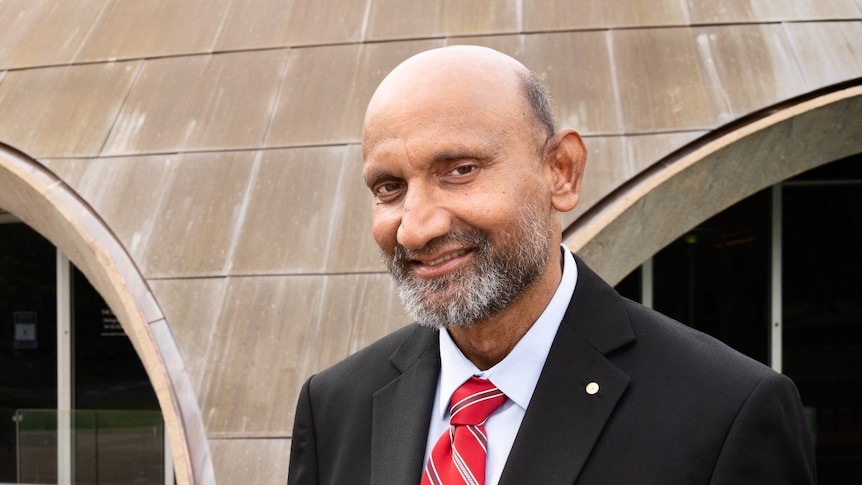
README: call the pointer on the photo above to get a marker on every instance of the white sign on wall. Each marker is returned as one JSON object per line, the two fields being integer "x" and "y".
{"x": 25, "y": 329}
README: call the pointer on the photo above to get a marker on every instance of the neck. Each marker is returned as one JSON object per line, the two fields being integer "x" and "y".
{"x": 487, "y": 342}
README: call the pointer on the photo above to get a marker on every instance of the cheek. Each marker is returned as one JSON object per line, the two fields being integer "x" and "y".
{"x": 502, "y": 207}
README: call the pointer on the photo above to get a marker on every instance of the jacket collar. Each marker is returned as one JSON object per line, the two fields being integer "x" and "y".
{"x": 402, "y": 410}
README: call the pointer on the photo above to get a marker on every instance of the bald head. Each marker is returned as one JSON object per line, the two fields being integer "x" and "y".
{"x": 468, "y": 180}
{"x": 459, "y": 78}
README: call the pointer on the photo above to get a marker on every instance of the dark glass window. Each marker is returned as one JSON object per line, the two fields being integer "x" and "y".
{"x": 108, "y": 372}
{"x": 822, "y": 308}
{"x": 28, "y": 335}
{"x": 114, "y": 441}
{"x": 716, "y": 277}
{"x": 116, "y": 428}
{"x": 630, "y": 286}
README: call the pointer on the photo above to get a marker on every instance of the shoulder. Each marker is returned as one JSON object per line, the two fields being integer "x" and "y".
{"x": 653, "y": 347}
{"x": 688, "y": 379}
{"x": 690, "y": 350}
{"x": 647, "y": 344}
{"x": 716, "y": 412}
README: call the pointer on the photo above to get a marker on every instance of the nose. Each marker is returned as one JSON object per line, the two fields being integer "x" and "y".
{"x": 422, "y": 219}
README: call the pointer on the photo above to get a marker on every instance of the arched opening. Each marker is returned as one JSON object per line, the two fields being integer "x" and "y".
{"x": 696, "y": 182}
{"x": 753, "y": 238}
{"x": 777, "y": 277}
{"x": 43, "y": 202}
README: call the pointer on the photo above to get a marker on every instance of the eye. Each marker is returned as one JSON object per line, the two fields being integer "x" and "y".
{"x": 387, "y": 190}
{"x": 463, "y": 169}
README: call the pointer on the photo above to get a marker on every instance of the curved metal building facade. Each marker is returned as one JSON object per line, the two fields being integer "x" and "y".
{"x": 199, "y": 161}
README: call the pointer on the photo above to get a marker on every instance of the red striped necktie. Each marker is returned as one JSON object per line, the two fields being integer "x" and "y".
{"x": 459, "y": 456}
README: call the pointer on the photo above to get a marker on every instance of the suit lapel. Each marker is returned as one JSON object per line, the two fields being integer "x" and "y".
{"x": 564, "y": 421}
{"x": 402, "y": 411}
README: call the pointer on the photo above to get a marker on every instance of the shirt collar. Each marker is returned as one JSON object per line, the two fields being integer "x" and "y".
{"x": 517, "y": 374}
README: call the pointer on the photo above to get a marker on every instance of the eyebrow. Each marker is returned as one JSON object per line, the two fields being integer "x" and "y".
{"x": 475, "y": 150}
{"x": 373, "y": 177}
{"x": 456, "y": 155}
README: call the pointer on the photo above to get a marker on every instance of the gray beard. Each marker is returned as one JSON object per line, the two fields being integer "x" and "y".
{"x": 479, "y": 291}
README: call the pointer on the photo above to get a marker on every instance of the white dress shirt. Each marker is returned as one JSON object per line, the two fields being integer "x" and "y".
{"x": 516, "y": 375}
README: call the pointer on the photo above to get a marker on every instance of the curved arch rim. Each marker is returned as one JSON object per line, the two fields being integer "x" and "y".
{"x": 600, "y": 235}
{"x": 40, "y": 199}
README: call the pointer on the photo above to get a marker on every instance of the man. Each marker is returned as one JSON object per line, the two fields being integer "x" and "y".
{"x": 468, "y": 178}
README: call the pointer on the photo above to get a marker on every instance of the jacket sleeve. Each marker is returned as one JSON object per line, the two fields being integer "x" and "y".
{"x": 303, "y": 446}
{"x": 769, "y": 441}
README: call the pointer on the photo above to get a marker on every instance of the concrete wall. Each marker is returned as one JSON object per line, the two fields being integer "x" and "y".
{"x": 200, "y": 161}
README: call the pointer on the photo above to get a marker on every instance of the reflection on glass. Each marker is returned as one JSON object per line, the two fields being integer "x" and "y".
{"x": 110, "y": 446}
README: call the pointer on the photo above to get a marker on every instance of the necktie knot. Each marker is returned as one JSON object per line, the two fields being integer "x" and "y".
{"x": 459, "y": 456}
{"x": 474, "y": 401}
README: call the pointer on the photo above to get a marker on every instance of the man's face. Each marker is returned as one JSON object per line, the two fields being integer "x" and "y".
{"x": 462, "y": 211}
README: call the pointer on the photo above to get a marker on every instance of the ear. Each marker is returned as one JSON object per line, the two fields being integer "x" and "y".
{"x": 566, "y": 156}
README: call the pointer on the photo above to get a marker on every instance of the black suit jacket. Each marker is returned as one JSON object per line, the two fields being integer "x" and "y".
{"x": 674, "y": 406}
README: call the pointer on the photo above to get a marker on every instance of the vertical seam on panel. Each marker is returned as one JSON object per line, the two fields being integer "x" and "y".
{"x": 336, "y": 202}
{"x": 615, "y": 85}
{"x": 87, "y": 37}
{"x": 276, "y": 98}
{"x": 686, "y": 14}
{"x": 227, "y": 15}
{"x": 519, "y": 14}
{"x": 788, "y": 38}
{"x": 243, "y": 210}
{"x": 718, "y": 96}
{"x": 365, "y": 19}
{"x": 122, "y": 106}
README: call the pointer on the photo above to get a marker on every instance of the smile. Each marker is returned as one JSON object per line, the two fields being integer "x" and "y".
{"x": 445, "y": 258}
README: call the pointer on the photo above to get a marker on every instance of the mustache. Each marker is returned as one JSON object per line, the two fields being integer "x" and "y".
{"x": 469, "y": 237}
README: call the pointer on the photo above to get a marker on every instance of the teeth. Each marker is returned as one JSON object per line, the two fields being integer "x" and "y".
{"x": 446, "y": 258}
